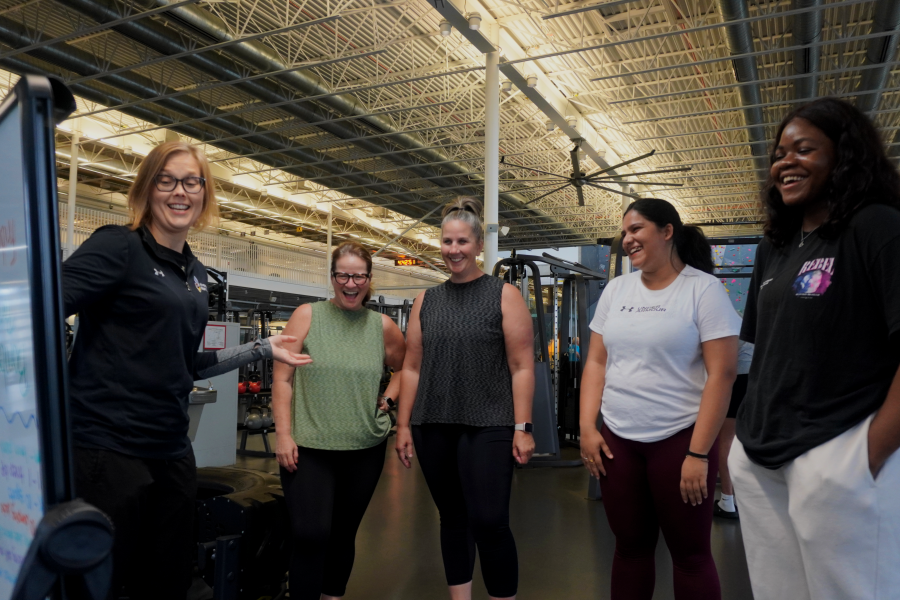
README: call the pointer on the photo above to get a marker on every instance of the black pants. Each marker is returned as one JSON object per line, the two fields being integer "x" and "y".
{"x": 151, "y": 503}
{"x": 327, "y": 497}
{"x": 469, "y": 472}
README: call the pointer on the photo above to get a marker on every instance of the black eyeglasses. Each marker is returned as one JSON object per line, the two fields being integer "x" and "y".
{"x": 358, "y": 278}
{"x": 167, "y": 183}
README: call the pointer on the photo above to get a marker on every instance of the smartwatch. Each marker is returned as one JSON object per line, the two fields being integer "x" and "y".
{"x": 390, "y": 403}
{"x": 526, "y": 427}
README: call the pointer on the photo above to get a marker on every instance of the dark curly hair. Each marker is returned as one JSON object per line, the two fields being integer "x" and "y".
{"x": 862, "y": 173}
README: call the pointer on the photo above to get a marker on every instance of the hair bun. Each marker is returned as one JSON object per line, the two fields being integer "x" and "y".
{"x": 464, "y": 203}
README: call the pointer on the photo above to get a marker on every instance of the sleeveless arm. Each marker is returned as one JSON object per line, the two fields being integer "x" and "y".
{"x": 394, "y": 353}
{"x": 409, "y": 382}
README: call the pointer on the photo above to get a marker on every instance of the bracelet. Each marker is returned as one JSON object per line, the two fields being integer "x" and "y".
{"x": 700, "y": 456}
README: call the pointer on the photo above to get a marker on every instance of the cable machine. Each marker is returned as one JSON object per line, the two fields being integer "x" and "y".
{"x": 546, "y": 431}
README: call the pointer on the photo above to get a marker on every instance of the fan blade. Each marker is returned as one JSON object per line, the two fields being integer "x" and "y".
{"x": 622, "y": 164}
{"x": 639, "y": 182}
{"x": 600, "y": 187}
{"x": 580, "y": 196}
{"x": 576, "y": 168}
{"x": 536, "y": 170}
{"x": 660, "y": 172}
{"x": 547, "y": 194}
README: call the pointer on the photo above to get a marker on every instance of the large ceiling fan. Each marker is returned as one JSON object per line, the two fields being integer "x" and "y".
{"x": 578, "y": 179}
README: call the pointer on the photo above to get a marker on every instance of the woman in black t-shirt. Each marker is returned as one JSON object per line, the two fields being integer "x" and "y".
{"x": 815, "y": 464}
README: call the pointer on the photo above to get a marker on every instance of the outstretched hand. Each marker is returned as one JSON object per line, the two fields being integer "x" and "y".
{"x": 282, "y": 354}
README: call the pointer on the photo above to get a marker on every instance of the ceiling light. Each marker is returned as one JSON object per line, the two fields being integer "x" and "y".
{"x": 532, "y": 80}
{"x": 550, "y": 125}
{"x": 506, "y": 85}
{"x": 446, "y": 27}
{"x": 504, "y": 231}
{"x": 572, "y": 122}
{"x": 474, "y": 21}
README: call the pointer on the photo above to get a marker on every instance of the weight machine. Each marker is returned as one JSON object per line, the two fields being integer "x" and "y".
{"x": 546, "y": 432}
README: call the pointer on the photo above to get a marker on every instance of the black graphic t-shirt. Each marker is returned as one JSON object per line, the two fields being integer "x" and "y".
{"x": 825, "y": 319}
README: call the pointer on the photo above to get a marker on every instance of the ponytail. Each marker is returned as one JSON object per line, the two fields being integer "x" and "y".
{"x": 688, "y": 240}
{"x": 693, "y": 248}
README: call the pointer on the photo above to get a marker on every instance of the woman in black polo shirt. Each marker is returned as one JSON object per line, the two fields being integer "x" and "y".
{"x": 815, "y": 464}
{"x": 143, "y": 306}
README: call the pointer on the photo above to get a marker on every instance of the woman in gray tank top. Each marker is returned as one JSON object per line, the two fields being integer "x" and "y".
{"x": 465, "y": 401}
{"x": 331, "y": 427}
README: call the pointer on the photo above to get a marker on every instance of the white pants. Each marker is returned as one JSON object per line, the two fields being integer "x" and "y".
{"x": 821, "y": 527}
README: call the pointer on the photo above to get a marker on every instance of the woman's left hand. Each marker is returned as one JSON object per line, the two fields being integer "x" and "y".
{"x": 523, "y": 447}
{"x": 281, "y": 353}
{"x": 693, "y": 480}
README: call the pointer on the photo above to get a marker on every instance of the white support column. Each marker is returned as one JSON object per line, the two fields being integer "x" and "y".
{"x": 328, "y": 254}
{"x": 491, "y": 159}
{"x": 73, "y": 192}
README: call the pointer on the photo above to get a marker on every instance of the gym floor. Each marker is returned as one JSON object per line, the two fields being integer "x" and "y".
{"x": 564, "y": 542}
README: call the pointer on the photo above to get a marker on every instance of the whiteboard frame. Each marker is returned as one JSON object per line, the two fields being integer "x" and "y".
{"x": 35, "y": 95}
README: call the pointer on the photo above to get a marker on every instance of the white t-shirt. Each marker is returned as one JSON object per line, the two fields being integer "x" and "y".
{"x": 655, "y": 371}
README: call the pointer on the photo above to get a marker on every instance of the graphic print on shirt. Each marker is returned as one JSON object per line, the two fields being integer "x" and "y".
{"x": 642, "y": 309}
{"x": 158, "y": 273}
{"x": 814, "y": 277}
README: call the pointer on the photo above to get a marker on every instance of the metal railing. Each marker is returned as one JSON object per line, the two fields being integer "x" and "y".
{"x": 301, "y": 266}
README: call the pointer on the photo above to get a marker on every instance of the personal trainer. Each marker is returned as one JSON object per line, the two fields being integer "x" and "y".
{"x": 142, "y": 302}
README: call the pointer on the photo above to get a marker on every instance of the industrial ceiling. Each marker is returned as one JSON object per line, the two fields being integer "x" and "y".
{"x": 376, "y": 107}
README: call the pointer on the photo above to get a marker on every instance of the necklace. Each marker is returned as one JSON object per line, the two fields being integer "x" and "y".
{"x": 805, "y": 234}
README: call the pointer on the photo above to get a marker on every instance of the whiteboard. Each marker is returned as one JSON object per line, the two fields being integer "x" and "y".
{"x": 21, "y": 496}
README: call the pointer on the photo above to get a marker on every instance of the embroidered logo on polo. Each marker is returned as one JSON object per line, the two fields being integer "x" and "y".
{"x": 158, "y": 273}
{"x": 201, "y": 287}
{"x": 814, "y": 277}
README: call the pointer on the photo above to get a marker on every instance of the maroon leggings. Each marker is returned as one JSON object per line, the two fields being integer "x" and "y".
{"x": 641, "y": 494}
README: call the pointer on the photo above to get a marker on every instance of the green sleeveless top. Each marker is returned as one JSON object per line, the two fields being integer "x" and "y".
{"x": 335, "y": 397}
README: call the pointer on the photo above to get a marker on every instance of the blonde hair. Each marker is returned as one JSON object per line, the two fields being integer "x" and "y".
{"x": 468, "y": 210}
{"x": 144, "y": 183}
{"x": 358, "y": 250}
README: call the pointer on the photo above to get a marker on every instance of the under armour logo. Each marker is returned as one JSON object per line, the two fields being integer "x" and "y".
{"x": 624, "y": 308}
{"x": 158, "y": 273}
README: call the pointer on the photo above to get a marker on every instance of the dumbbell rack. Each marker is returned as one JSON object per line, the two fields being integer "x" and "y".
{"x": 264, "y": 431}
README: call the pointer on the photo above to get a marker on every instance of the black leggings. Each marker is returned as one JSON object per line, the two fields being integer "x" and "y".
{"x": 151, "y": 503}
{"x": 469, "y": 472}
{"x": 327, "y": 497}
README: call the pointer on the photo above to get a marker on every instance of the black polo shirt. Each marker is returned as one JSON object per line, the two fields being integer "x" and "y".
{"x": 142, "y": 312}
{"x": 825, "y": 318}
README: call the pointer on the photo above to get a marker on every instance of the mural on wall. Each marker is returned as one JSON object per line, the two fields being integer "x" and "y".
{"x": 733, "y": 265}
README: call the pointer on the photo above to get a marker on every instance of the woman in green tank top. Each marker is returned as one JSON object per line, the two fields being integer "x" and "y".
{"x": 331, "y": 426}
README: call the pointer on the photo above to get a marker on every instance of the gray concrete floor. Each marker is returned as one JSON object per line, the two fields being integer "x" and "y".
{"x": 564, "y": 542}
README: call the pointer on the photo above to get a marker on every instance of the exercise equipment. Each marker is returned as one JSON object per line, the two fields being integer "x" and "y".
{"x": 546, "y": 435}
{"x": 254, "y": 383}
{"x": 254, "y": 418}
{"x": 243, "y": 547}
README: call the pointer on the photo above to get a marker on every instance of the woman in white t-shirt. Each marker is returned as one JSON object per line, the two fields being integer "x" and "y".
{"x": 661, "y": 364}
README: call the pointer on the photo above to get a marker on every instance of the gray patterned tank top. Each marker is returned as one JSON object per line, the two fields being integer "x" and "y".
{"x": 464, "y": 377}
